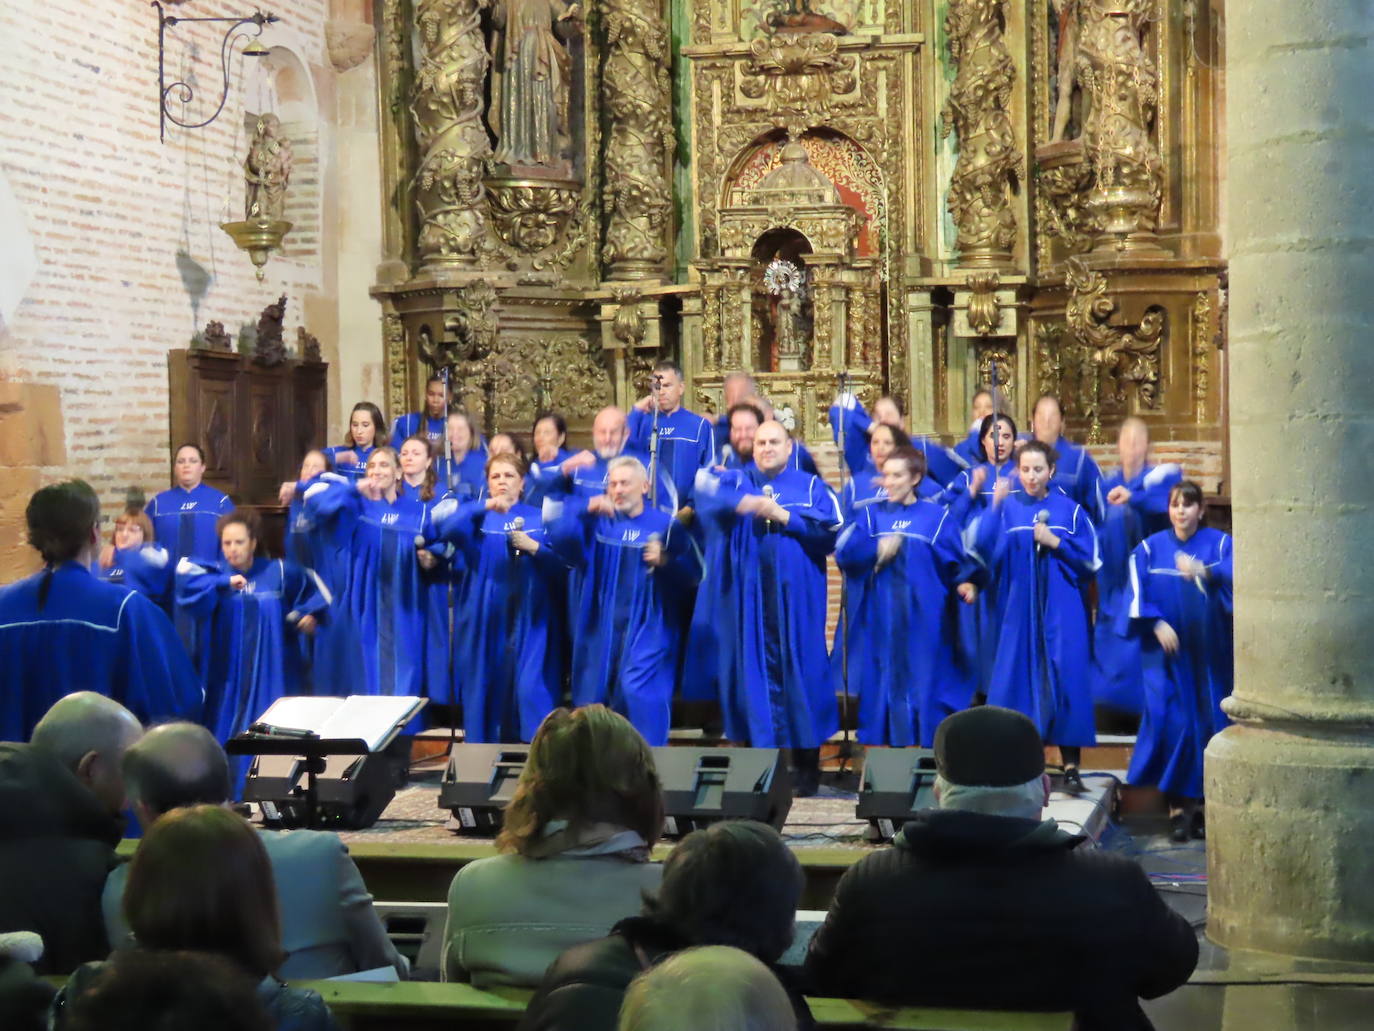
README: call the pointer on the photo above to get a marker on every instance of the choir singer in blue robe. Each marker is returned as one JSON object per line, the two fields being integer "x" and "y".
{"x": 133, "y": 558}
{"x": 1075, "y": 471}
{"x": 1040, "y": 547}
{"x": 637, "y": 564}
{"x": 430, "y": 422}
{"x": 774, "y": 672}
{"x": 686, "y": 441}
{"x": 62, "y": 628}
{"x": 366, "y": 430}
{"x": 1180, "y": 611}
{"x": 903, "y": 663}
{"x": 253, "y": 608}
{"x": 1137, "y": 505}
{"x": 852, "y": 425}
{"x": 507, "y": 646}
{"x": 379, "y": 646}
{"x": 184, "y": 516}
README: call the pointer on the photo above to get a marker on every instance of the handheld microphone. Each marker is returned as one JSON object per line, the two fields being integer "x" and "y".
{"x": 517, "y": 524}
{"x": 1042, "y": 517}
{"x": 769, "y": 493}
{"x": 654, "y": 538}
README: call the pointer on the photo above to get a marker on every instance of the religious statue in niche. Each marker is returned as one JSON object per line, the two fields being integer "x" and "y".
{"x": 794, "y": 17}
{"x": 267, "y": 171}
{"x": 531, "y": 84}
{"x": 271, "y": 348}
{"x": 786, "y": 284}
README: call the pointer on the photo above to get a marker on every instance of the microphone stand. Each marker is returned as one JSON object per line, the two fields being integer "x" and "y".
{"x": 445, "y": 372}
{"x": 653, "y": 443}
{"x": 846, "y": 746}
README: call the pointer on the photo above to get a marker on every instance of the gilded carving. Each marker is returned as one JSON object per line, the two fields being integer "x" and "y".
{"x": 1127, "y": 357}
{"x": 798, "y": 73}
{"x": 998, "y": 365}
{"x": 1049, "y": 365}
{"x": 639, "y": 139}
{"x": 979, "y": 197}
{"x": 628, "y": 324}
{"x": 394, "y": 347}
{"x": 530, "y": 216}
{"x": 1063, "y": 177}
{"x": 984, "y": 313}
{"x": 393, "y": 20}
{"x": 1202, "y": 352}
{"x": 446, "y": 106}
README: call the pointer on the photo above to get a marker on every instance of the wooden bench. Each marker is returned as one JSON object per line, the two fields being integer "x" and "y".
{"x": 420, "y": 1006}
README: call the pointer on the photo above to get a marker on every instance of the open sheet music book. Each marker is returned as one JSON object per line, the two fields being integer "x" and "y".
{"x": 373, "y": 718}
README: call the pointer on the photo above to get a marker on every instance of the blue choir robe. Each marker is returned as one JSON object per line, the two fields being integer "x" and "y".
{"x": 1116, "y": 659}
{"x": 88, "y": 635}
{"x": 324, "y": 550}
{"x": 686, "y": 444}
{"x": 147, "y": 569}
{"x": 849, "y": 414}
{"x": 866, "y": 488}
{"x": 1044, "y": 645}
{"x": 768, "y": 611}
{"x": 417, "y": 422}
{"x": 507, "y": 648}
{"x": 978, "y": 622}
{"x": 903, "y": 663}
{"x": 440, "y": 586}
{"x": 970, "y": 449}
{"x": 184, "y": 521}
{"x": 626, "y": 634}
{"x": 379, "y": 646}
{"x": 352, "y": 470}
{"x": 1077, "y": 475}
{"x": 465, "y": 478}
{"x": 1183, "y": 692}
{"x": 800, "y": 459}
{"x": 546, "y": 479}
{"x": 251, "y": 656}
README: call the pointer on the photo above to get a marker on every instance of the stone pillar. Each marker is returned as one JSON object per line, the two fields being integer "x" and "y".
{"x": 1290, "y": 787}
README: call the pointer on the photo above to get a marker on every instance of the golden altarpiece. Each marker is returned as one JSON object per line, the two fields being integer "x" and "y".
{"x": 918, "y": 195}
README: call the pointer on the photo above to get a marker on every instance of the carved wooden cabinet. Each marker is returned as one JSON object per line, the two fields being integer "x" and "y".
{"x": 253, "y": 422}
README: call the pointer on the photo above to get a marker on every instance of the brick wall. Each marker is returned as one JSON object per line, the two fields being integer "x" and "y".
{"x": 130, "y": 259}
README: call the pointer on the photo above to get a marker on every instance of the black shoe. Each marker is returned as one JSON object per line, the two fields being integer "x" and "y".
{"x": 806, "y": 781}
{"x": 1199, "y": 825}
{"x": 1073, "y": 783}
{"x": 1178, "y": 827}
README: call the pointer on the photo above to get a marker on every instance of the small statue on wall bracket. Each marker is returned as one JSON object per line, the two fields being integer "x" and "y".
{"x": 266, "y": 171}
{"x": 794, "y": 17}
{"x": 270, "y": 349}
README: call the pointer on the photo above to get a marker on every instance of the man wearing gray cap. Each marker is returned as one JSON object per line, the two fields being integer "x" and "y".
{"x": 981, "y": 903}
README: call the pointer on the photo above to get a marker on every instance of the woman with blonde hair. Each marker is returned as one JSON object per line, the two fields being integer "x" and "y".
{"x": 575, "y": 852}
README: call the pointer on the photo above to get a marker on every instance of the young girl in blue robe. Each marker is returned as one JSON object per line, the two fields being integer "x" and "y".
{"x": 637, "y": 564}
{"x": 418, "y": 483}
{"x": 545, "y": 477}
{"x": 850, "y": 420}
{"x": 366, "y": 430}
{"x": 968, "y": 497}
{"x": 508, "y": 657}
{"x": 254, "y": 608}
{"x": 1040, "y": 548}
{"x": 903, "y": 663}
{"x": 428, "y": 423}
{"x": 323, "y": 554}
{"x": 1180, "y": 612}
{"x": 461, "y": 474}
{"x": 380, "y": 644}
{"x": 1137, "y": 505}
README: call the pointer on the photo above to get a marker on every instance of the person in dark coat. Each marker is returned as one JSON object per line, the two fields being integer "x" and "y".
{"x": 735, "y": 883}
{"x": 982, "y": 904}
{"x": 63, "y": 793}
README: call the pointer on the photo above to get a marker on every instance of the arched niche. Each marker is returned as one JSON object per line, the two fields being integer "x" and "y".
{"x": 281, "y": 84}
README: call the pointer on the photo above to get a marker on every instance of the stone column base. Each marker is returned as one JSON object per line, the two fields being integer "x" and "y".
{"x": 1290, "y": 827}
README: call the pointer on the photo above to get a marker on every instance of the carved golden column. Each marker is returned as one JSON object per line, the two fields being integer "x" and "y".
{"x": 639, "y": 139}
{"x": 447, "y": 109}
{"x": 393, "y": 77}
{"x": 1290, "y": 787}
{"x": 979, "y": 196}
{"x": 1121, "y": 81}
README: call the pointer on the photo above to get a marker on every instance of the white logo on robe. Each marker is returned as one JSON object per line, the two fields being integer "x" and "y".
{"x": 390, "y": 517}
{"x": 187, "y": 506}
{"x": 630, "y": 535}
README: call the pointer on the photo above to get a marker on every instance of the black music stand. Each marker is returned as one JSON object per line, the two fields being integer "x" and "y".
{"x": 310, "y": 747}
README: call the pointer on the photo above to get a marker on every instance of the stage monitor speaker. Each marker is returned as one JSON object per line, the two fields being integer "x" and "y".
{"x": 478, "y": 783}
{"x": 700, "y": 785}
{"x": 897, "y": 784}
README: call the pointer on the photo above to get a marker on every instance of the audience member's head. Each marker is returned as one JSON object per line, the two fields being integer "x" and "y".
{"x": 201, "y": 881}
{"x": 174, "y": 765}
{"x": 991, "y": 760}
{"x": 156, "y": 990}
{"x": 586, "y": 767}
{"x": 734, "y": 883}
{"x": 712, "y": 988}
{"x": 89, "y": 733}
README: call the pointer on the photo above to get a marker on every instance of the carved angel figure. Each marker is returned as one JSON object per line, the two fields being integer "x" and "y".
{"x": 529, "y": 106}
{"x": 266, "y": 171}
